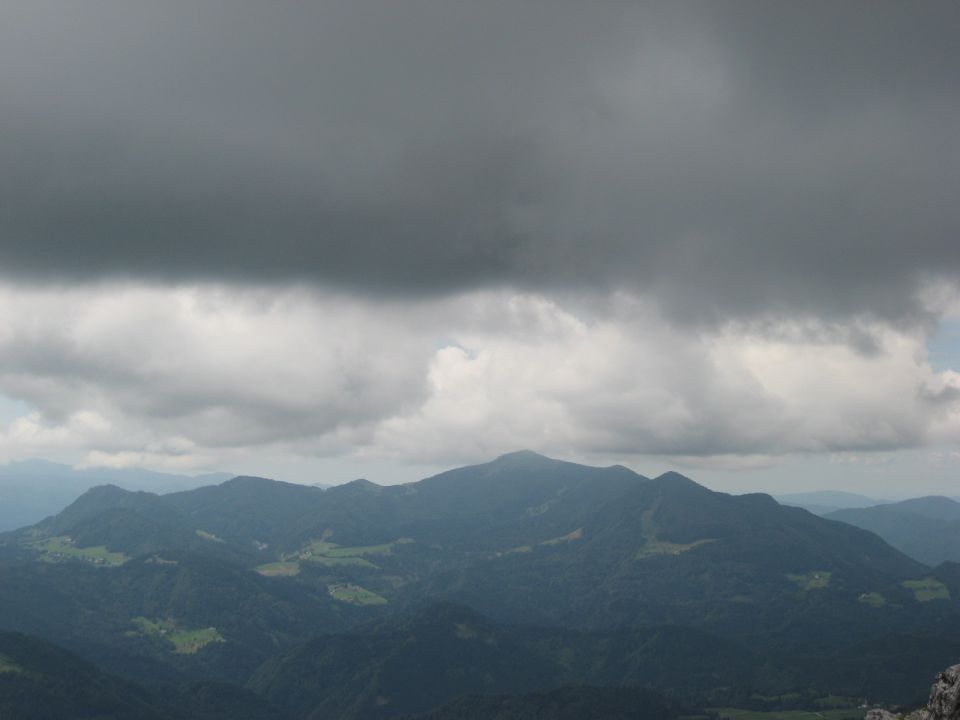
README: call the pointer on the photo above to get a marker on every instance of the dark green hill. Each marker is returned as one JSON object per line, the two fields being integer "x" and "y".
{"x": 169, "y": 616}
{"x": 439, "y": 652}
{"x": 121, "y": 521}
{"x": 400, "y": 668}
{"x": 669, "y": 550}
{"x": 520, "y": 496}
{"x": 927, "y": 529}
{"x": 31, "y": 490}
{"x": 566, "y": 703}
{"x": 245, "y": 511}
{"x": 40, "y": 681}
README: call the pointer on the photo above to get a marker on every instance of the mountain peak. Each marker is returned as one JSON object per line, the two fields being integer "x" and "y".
{"x": 363, "y": 482}
{"x": 674, "y": 478}
{"x": 249, "y": 480}
{"x": 360, "y": 485}
{"x": 107, "y": 490}
{"x": 523, "y": 457}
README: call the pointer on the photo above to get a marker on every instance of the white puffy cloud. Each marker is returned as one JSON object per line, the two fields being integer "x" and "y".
{"x": 167, "y": 369}
{"x": 200, "y": 376}
{"x": 630, "y": 384}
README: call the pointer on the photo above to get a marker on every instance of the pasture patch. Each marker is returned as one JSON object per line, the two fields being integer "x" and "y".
{"x": 654, "y": 548}
{"x": 927, "y": 589}
{"x": 278, "y": 569}
{"x": 873, "y": 599}
{"x": 185, "y": 641}
{"x": 355, "y": 595}
{"x": 62, "y": 548}
{"x": 340, "y": 561}
{"x": 360, "y": 551}
{"x": 812, "y": 580}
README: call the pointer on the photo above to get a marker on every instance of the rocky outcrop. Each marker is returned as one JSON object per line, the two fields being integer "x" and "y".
{"x": 878, "y": 714}
{"x": 944, "y": 703}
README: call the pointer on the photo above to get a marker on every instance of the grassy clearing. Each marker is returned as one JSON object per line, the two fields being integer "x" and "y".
{"x": 9, "y": 666}
{"x": 316, "y": 547}
{"x": 562, "y": 540}
{"x": 654, "y": 548}
{"x": 61, "y": 548}
{"x": 360, "y": 551}
{"x": 873, "y": 599}
{"x": 355, "y": 595}
{"x": 838, "y": 701}
{"x": 209, "y": 536}
{"x": 812, "y": 580}
{"x": 279, "y": 569}
{"x": 185, "y": 641}
{"x": 341, "y": 561}
{"x": 323, "y": 552}
{"x": 927, "y": 589}
{"x": 845, "y": 714}
{"x": 330, "y": 554}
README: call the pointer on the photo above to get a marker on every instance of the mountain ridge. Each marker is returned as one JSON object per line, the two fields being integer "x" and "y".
{"x": 249, "y": 568}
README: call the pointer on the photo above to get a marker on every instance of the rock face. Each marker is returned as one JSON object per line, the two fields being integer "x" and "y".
{"x": 944, "y": 703}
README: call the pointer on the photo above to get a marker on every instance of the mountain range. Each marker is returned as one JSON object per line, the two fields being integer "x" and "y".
{"x": 517, "y": 578}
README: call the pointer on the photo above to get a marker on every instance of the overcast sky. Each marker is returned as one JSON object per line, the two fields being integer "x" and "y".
{"x": 317, "y": 240}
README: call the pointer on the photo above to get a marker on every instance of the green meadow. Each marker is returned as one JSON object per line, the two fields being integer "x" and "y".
{"x": 355, "y": 595}
{"x": 185, "y": 641}
{"x": 811, "y": 580}
{"x": 61, "y": 548}
{"x": 927, "y": 589}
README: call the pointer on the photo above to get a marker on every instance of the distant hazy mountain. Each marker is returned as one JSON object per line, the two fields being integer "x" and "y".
{"x": 822, "y": 502}
{"x": 33, "y": 489}
{"x": 927, "y": 528}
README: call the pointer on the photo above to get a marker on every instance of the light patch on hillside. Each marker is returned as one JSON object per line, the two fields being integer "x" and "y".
{"x": 185, "y": 641}
{"x": 927, "y": 589}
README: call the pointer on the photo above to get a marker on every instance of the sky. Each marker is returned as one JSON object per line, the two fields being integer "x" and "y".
{"x": 318, "y": 241}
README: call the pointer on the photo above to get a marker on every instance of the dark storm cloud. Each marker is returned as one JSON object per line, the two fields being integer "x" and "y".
{"x": 729, "y": 159}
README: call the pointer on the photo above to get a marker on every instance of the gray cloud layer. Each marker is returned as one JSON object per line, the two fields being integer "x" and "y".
{"x": 727, "y": 159}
